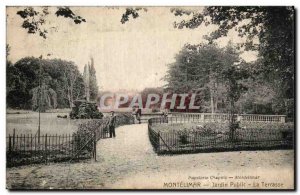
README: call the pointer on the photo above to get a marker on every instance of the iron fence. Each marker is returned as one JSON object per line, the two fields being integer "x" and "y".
{"x": 165, "y": 139}
{"x": 29, "y": 149}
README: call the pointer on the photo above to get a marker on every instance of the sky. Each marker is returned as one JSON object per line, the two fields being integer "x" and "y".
{"x": 130, "y": 56}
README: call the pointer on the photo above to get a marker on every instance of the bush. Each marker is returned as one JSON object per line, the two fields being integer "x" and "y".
{"x": 85, "y": 110}
{"x": 205, "y": 129}
{"x": 124, "y": 119}
{"x": 86, "y": 131}
{"x": 222, "y": 127}
{"x": 183, "y": 137}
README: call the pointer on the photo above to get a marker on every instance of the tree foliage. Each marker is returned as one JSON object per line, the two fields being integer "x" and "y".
{"x": 204, "y": 69}
{"x": 43, "y": 98}
{"x": 134, "y": 12}
{"x": 90, "y": 81}
{"x": 267, "y": 30}
{"x": 93, "y": 81}
{"x": 272, "y": 27}
{"x": 85, "y": 110}
{"x": 34, "y": 20}
{"x": 63, "y": 77}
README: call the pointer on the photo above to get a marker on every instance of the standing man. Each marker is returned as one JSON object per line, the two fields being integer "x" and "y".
{"x": 112, "y": 125}
{"x": 139, "y": 115}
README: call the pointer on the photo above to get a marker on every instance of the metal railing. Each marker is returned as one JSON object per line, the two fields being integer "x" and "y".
{"x": 167, "y": 139}
{"x": 240, "y": 117}
{"x": 26, "y": 149}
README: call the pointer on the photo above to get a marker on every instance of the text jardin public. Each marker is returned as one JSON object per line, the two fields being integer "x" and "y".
{"x": 167, "y": 100}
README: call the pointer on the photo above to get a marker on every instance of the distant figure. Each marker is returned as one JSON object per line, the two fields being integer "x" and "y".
{"x": 138, "y": 115}
{"x": 165, "y": 117}
{"x": 112, "y": 125}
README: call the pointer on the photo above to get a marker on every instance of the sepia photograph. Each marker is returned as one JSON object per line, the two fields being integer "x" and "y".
{"x": 150, "y": 98}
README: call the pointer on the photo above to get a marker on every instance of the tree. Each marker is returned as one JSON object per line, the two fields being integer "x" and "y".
{"x": 90, "y": 81}
{"x": 85, "y": 110}
{"x": 131, "y": 12}
{"x": 61, "y": 76}
{"x": 34, "y": 20}
{"x": 22, "y": 77}
{"x": 144, "y": 94}
{"x": 199, "y": 69}
{"x": 259, "y": 98}
{"x": 268, "y": 30}
{"x": 13, "y": 82}
{"x": 93, "y": 81}
{"x": 86, "y": 77}
{"x": 208, "y": 67}
{"x": 274, "y": 29}
{"x": 232, "y": 76}
{"x": 71, "y": 83}
{"x": 44, "y": 98}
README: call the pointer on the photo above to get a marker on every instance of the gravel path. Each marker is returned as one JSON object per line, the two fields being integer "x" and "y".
{"x": 128, "y": 161}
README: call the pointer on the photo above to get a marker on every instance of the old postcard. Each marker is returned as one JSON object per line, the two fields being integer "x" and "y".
{"x": 168, "y": 98}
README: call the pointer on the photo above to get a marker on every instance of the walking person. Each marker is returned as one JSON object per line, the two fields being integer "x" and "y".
{"x": 112, "y": 125}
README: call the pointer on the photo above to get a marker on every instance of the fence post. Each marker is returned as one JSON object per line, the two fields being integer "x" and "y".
{"x": 9, "y": 143}
{"x": 14, "y": 135}
{"x": 95, "y": 143}
{"x": 194, "y": 140}
{"x": 202, "y": 117}
{"x": 239, "y": 118}
{"x": 46, "y": 147}
{"x": 282, "y": 119}
{"x": 158, "y": 145}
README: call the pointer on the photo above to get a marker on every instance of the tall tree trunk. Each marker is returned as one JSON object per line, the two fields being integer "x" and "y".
{"x": 232, "y": 122}
{"x": 71, "y": 96}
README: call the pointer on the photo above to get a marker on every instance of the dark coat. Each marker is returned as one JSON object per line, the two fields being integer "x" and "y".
{"x": 112, "y": 122}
